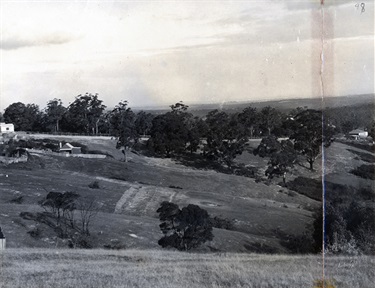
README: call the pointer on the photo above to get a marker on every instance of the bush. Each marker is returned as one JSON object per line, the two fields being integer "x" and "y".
{"x": 35, "y": 233}
{"x": 311, "y": 188}
{"x": 222, "y": 223}
{"x": 297, "y": 244}
{"x": 365, "y": 171}
{"x": 366, "y": 194}
{"x": 325, "y": 283}
{"x": 242, "y": 170}
{"x": 348, "y": 228}
{"x": 17, "y": 200}
{"x": 94, "y": 185}
{"x": 363, "y": 156}
{"x": 175, "y": 187}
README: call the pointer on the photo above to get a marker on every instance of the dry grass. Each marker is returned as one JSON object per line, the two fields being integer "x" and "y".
{"x": 30, "y": 268}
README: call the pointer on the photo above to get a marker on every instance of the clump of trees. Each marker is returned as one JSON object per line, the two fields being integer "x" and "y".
{"x": 72, "y": 215}
{"x": 85, "y": 115}
{"x": 184, "y": 228}
{"x": 308, "y": 134}
{"x": 349, "y": 221}
{"x": 170, "y": 132}
{"x": 226, "y": 137}
{"x": 281, "y": 153}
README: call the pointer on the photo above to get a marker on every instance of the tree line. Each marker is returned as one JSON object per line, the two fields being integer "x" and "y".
{"x": 219, "y": 136}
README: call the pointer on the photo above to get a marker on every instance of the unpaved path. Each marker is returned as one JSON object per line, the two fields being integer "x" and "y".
{"x": 144, "y": 200}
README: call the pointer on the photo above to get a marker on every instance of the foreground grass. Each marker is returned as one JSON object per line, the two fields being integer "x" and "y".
{"x": 31, "y": 268}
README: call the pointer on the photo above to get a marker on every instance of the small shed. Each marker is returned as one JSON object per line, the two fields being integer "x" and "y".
{"x": 2, "y": 240}
{"x": 69, "y": 148}
{"x": 358, "y": 134}
{"x": 6, "y": 127}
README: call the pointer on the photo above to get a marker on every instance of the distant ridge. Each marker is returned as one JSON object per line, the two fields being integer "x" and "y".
{"x": 282, "y": 104}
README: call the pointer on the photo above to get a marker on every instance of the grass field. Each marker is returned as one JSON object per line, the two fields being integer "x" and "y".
{"x": 32, "y": 268}
{"x": 130, "y": 193}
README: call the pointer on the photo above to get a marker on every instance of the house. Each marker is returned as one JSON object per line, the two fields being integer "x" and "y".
{"x": 358, "y": 134}
{"x": 69, "y": 148}
{"x": 6, "y": 128}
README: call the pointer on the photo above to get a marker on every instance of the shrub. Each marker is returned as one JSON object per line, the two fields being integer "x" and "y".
{"x": 365, "y": 171}
{"x": 94, "y": 185}
{"x": 363, "y": 156}
{"x": 17, "y": 200}
{"x": 324, "y": 283}
{"x": 174, "y": 187}
{"x": 311, "y": 188}
{"x": 348, "y": 228}
{"x": 35, "y": 233}
{"x": 366, "y": 194}
{"x": 222, "y": 223}
{"x": 79, "y": 241}
{"x": 297, "y": 244}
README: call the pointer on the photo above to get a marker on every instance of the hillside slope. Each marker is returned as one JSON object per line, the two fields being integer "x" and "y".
{"x": 130, "y": 193}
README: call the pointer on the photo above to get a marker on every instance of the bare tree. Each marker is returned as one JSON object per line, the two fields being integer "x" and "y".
{"x": 88, "y": 209}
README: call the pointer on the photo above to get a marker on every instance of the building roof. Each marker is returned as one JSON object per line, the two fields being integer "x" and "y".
{"x": 357, "y": 131}
{"x": 67, "y": 146}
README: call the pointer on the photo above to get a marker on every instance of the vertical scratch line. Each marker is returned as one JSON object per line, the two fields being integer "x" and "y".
{"x": 322, "y": 91}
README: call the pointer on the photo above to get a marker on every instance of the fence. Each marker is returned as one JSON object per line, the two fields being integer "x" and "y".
{"x": 64, "y": 133}
{"x": 45, "y": 152}
{"x": 11, "y": 160}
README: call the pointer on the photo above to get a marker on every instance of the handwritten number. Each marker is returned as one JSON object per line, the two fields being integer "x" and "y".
{"x": 362, "y": 5}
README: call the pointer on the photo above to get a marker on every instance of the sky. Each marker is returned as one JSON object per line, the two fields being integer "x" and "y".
{"x": 154, "y": 53}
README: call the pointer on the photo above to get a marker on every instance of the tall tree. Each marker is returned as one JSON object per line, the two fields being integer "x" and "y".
{"x": 249, "y": 118}
{"x": 197, "y": 129}
{"x": 170, "y": 133}
{"x": 372, "y": 131}
{"x": 84, "y": 113}
{"x": 122, "y": 123}
{"x": 282, "y": 155}
{"x": 143, "y": 123}
{"x": 24, "y": 117}
{"x": 308, "y": 135}
{"x": 269, "y": 119}
{"x": 54, "y": 113}
{"x": 226, "y": 138}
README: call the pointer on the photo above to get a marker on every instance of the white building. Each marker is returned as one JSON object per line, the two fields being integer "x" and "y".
{"x": 358, "y": 134}
{"x": 69, "y": 148}
{"x": 6, "y": 128}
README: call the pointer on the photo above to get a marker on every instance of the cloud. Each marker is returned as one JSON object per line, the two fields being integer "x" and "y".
{"x": 17, "y": 42}
{"x": 161, "y": 52}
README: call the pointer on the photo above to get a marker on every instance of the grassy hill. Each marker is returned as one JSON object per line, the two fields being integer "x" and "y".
{"x": 262, "y": 215}
{"x": 32, "y": 268}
